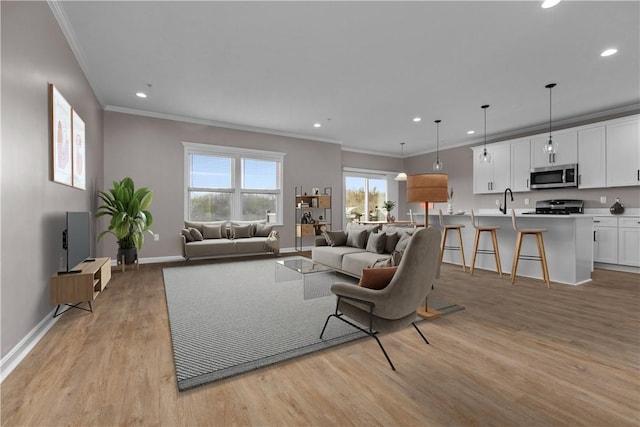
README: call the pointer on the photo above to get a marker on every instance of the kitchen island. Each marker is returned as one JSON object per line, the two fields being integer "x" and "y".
{"x": 568, "y": 244}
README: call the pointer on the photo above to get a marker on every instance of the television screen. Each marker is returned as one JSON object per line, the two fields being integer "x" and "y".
{"x": 78, "y": 238}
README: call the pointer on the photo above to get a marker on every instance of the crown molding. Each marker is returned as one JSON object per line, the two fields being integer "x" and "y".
{"x": 65, "y": 26}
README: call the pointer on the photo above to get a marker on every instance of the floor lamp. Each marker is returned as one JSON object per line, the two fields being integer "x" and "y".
{"x": 428, "y": 187}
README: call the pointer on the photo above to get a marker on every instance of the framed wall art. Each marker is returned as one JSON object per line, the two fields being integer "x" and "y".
{"x": 61, "y": 138}
{"x": 79, "y": 163}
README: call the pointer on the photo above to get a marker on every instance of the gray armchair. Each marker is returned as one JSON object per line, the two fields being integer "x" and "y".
{"x": 394, "y": 307}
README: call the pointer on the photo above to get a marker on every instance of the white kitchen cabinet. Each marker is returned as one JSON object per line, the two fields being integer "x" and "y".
{"x": 605, "y": 239}
{"x": 520, "y": 164}
{"x": 629, "y": 241}
{"x": 592, "y": 171}
{"x": 623, "y": 153}
{"x": 495, "y": 176}
{"x": 566, "y": 153}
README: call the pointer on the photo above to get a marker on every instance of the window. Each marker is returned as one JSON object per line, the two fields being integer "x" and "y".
{"x": 365, "y": 192}
{"x": 226, "y": 183}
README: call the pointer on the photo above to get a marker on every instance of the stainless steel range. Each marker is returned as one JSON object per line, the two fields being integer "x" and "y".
{"x": 559, "y": 207}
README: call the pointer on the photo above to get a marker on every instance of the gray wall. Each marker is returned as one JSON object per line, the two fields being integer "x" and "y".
{"x": 150, "y": 151}
{"x": 34, "y": 53}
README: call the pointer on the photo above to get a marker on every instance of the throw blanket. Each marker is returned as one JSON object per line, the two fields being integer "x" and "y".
{"x": 273, "y": 242}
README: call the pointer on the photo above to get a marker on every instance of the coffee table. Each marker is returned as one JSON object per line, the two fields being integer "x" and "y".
{"x": 316, "y": 278}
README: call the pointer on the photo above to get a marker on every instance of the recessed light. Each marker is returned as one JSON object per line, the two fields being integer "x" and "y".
{"x": 317, "y": 125}
{"x": 609, "y": 52}
{"x": 141, "y": 95}
{"x": 546, "y": 4}
{"x": 471, "y": 132}
{"x": 417, "y": 119}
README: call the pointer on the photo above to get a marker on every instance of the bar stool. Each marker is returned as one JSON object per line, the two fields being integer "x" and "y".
{"x": 446, "y": 228}
{"x": 494, "y": 238}
{"x": 542, "y": 256}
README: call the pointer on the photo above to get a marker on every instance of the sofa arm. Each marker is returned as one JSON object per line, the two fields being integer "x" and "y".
{"x": 184, "y": 244}
{"x": 320, "y": 241}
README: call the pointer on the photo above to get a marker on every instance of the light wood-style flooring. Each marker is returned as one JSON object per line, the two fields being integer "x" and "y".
{"x": 518, "y": 355}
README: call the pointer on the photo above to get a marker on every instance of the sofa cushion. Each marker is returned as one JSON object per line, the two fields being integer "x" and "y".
{"x": 393, "y": 260}
{"x": 195, "y": 233}
{"x": 332, "y": 256}
{"x": 391, "y": 242}
{"x": 376, "y": 242}
{"x": 250, "y": 245}
{"x": 355, "y": 262}
{"x": 241, "y": 231}
{"x": 210, "y": 247}
{"x": 403, "y": 242}
{"x": 263, "y": 230}
{"x": 335, "y": 238}
{"x": 213, "y": 231}
{"x": 357, "y": 238}
{"x": 199, "y": 225}
{"x": 377, "y": 278}
{"x": 187, "y": 235}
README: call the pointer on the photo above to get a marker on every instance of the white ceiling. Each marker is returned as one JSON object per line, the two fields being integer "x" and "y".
{"x": 361, "y": 69}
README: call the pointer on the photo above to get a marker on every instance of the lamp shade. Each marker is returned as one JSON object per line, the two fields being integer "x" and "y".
{"x": 428, "y": 187}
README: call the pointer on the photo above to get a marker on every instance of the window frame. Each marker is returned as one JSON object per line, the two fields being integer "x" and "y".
{"x": 236, "y": 190}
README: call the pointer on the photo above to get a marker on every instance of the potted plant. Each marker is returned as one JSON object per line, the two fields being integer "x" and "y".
{"x": 129, "y": 216}
{"x": 388, "y": 206}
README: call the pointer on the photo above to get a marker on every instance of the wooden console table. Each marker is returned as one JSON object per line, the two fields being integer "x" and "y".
{"x": 73, "y": 289}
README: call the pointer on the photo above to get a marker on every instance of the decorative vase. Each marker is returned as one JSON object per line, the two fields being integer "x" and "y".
{"x": 450, "y": 208}
{"x": 617, "y": 208}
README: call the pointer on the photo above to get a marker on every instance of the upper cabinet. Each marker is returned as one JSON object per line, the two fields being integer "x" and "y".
{"x": 623, "y": 153}
{"x": 566, "y": 153}
{"x": 592, "y": 145}
{"x": 495, "y": 176}
{"x": 520, "y": 164}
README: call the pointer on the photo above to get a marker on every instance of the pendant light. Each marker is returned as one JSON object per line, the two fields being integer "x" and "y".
{"x": 550, "y": 147}
{"x": 485, "y": 157}
{"x": 401, "y": 175}
{"x": 438, "y": 165}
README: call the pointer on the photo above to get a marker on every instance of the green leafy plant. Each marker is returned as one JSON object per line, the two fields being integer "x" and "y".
{"x": 128, "y": 210}
{"x": 388, "y": 206}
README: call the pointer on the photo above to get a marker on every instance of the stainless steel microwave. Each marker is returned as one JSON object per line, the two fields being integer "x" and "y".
{"x": 560, "y": 176}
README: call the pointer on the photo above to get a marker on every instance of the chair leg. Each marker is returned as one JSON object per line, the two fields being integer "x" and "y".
{"x": 543, "y": 259}
{"x": 385, "y": 353}
{"x": 444, "y": 241}
{"x": 516, "y": 256}
{"x": 494, "y": 237}
{"x": 475, "y": 251}
{"x": 464, "y": 262}
{"x": 420, "y": 332}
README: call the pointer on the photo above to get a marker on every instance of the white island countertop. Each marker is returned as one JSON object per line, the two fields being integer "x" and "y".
{"x": 568, "y": 244}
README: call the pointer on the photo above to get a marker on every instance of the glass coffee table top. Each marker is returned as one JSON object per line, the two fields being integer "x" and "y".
{"x": 304, "y": 265}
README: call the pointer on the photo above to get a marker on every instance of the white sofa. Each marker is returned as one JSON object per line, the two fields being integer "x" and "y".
{"x": 217, "y": 238}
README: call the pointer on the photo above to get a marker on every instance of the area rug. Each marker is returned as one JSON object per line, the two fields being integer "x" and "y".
{"x": 228, "y": 318}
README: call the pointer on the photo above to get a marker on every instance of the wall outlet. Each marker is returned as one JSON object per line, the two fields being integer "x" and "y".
{"x": 603, "y": 199}
{"x": 526, "y": 201}
{"x": 156, "y": 237}
{"x": 497, "y": 202}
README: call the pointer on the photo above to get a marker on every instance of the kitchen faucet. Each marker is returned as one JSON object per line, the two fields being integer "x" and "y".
{"x": 504, "y": 210}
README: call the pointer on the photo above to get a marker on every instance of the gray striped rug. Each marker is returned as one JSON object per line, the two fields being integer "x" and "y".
{"x": 231, "y": 317}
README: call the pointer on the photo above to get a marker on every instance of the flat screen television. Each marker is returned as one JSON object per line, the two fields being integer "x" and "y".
{"x": 76, "y": 239}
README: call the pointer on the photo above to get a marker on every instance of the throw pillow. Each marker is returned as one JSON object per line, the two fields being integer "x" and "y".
{"x": 188, "y": 237}
{"x": 195, "y": 233}
{"x": 376, "y": 242}
{"x": 263, "y": 230}
{"x": 212, "y": 231}
{"x": 240, "y": 231}
{"x": 335, "y": 238}
{"x": 357, "y": 238}
{"x": 403, "y": 242}
{"x": 393, "y": 260}
{"x": 391, "y": 242}
{"x": 377, "y": 278}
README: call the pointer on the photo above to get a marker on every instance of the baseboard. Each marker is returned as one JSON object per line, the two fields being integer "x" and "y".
{"x": 616, "y": 267}
{"x": 20, "y": 351}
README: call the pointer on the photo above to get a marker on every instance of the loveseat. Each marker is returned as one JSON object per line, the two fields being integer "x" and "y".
{"x": 226, "y": 238}
{"x": 360, "y": 247}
